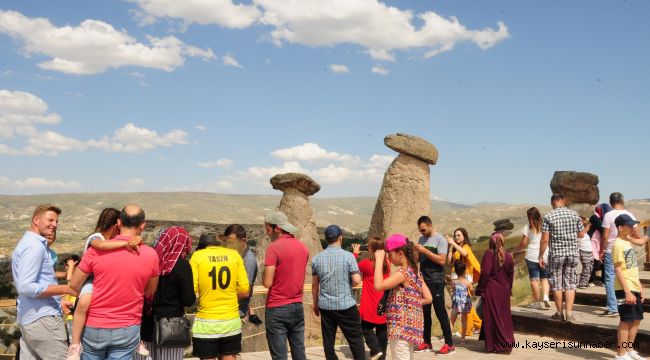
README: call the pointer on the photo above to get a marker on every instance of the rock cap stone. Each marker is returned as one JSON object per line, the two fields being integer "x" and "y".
{"x": 577, "y": 187}
{"x": 300, "y": 182}
{"x": 413, "y": 146}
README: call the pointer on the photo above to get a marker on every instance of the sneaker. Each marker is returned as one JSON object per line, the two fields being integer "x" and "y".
{"x": 570, "y": 318}
{"x": 537, "y": 306}
{"x": 608, "y": 313}
{"x": 557, "y": 316}
{"x": 457, "y": 334}
{"x": 424, "y": 347}
{"x": 632, "y": 354}
{"x": 446, "y": 350}
{"x": 591, "y": 285}
{"x": 377, "y": 356}
{"x": 547, "y": 304}
{"x": 142, "y": 350}
{"x": 74, "y": 352}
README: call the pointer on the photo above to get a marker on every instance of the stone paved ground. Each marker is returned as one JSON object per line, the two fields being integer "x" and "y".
{"x": 473, "y": 349}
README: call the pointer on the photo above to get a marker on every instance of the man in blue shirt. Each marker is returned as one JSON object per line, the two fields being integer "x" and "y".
{"x": 334, "y": 272}
{"x": 38, "y": 306}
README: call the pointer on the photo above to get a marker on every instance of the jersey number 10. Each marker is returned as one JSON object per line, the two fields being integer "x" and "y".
{"x": 223, "y": 283}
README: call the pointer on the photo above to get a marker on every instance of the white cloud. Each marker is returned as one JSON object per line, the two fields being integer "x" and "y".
{"x": 201, "y": 127}
{"x": 22, "y": 114}
{"x": 380, "y": 161}
{"x": 268, "y": 172}
{"x": 371, "y": 24}
{"x": 229, "y": 60}
{"x": 224, "y": 184}
{"x": 338, "y": 69}
{"x": 221, "y": 163}
{"x": 310, "y": 152}
{"x": 382, "y": 55}
{"x": 131, "y": 138}
{"x": 33, "y": 182}
{"x": 132, "y": 183}
{"x": 93, "y": 46}
{"x": 378, "y": 69}
{"x": 140, "y": 77}
{"x": 219, "y": 12}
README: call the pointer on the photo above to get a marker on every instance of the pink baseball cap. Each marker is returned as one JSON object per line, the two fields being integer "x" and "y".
{"x": 396, "y": 241}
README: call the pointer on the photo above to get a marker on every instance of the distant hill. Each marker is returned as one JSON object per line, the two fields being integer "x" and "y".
{"x": 80, "y": 212}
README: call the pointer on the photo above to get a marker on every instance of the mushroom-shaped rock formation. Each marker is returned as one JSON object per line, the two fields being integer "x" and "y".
{"x": 405, "y": 193}
{"x": 576, "y": 187}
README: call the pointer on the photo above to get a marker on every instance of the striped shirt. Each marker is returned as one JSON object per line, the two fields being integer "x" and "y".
{"x": 563, "y": 226}
{"x": 334, "y": 266}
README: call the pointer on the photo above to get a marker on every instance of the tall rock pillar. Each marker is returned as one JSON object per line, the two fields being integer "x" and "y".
{"x": 405, "y": 193}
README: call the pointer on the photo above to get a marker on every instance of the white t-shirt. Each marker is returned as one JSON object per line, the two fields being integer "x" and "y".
{"x": 608, "y": 223}
{"x": 584, "y": 243}
{"x": 534, "y": 240}
{"x": 91, "y": 238}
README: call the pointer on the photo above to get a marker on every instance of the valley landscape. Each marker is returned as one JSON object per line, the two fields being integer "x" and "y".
{"x": 80, "y": 212}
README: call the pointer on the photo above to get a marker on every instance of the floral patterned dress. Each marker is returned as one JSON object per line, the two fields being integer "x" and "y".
{"x": 404, "y": 309}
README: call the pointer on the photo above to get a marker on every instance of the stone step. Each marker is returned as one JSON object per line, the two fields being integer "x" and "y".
{"x": 644, "y": 276}
{"x": 595, "y": 296}
{"x": 646, "y": 266}
{"x": 588, "y": 326}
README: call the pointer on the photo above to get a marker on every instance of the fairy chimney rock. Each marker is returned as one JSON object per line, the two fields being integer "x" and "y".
{"x": 413, "y": 146}
{"x": 296, "y": 189}
{"x": 405, "y": 193}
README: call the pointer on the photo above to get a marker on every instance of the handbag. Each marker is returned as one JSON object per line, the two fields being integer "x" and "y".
{"x": 479, "y": 308}
{"x": 172, "y": 332}
{"x": 381, "y": 307}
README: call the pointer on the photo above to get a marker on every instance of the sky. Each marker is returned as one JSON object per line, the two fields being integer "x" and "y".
{"x": 219, "y": 96}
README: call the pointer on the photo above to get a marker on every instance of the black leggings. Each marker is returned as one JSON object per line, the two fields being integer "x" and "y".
{"x": 376, "y": 336}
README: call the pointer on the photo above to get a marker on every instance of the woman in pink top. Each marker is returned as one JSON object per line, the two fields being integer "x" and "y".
{"x": 373, "y": 325}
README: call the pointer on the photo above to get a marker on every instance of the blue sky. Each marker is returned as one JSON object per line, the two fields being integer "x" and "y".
{"x": 207, "y": 95}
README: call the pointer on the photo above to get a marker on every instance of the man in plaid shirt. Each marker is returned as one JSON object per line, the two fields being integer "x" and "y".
{"x": 561, "y": 229}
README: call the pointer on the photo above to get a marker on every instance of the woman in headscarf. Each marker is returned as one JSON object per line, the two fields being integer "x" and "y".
{"x": 175, "y": 289}
{"x": 495, "y": 288}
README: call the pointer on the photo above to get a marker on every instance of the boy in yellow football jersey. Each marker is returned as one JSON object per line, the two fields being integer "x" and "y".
{"x": 220, "y": 281}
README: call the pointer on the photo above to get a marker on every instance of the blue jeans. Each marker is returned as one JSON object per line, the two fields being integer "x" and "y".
{"x": 111, "y": 344}
{"x": 286, "y": 322}
{"x": 608, "y": 265}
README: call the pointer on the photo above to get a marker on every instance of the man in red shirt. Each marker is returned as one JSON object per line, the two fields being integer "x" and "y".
{"x": 121, "y": 280}
{"x": 284, "y": 276}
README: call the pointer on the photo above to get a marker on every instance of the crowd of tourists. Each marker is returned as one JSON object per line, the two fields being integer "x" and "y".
{"x": 126, "y": 300}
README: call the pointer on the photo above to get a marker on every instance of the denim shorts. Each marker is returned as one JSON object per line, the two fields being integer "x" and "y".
{"x": 535, "y": 271}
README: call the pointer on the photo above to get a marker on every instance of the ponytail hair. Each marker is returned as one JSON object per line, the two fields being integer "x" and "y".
{"x": 107, "y": 219}
{"x": 409, "y": 252}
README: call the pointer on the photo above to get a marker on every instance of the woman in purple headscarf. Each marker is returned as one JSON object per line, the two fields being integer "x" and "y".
{"x": 495, "y": 288}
